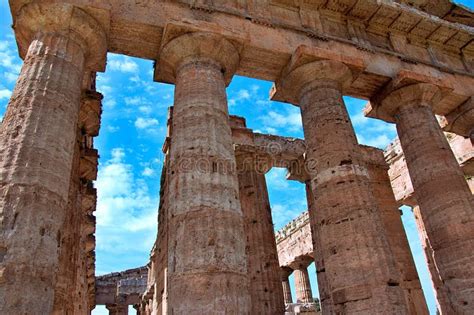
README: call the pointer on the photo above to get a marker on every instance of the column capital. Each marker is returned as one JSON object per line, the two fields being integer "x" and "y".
{"x": 285, "y": 272}
{"x": 312, "y": 64}
{"x": 311, "y": 75}
{"x": 194, "y": 47}
{"x": 388, "y": 102}
{"x": 66, "y": 20}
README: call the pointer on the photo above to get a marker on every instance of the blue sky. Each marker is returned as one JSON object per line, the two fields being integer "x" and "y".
{"x": 132, "y": 133}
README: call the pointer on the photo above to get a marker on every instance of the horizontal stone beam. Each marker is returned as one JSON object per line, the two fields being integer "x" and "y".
{"x": 123, "y": 288}
{"x": 386, "y": 37}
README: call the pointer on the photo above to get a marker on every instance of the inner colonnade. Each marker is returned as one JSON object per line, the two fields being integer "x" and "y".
{"x": 216, "y": 250}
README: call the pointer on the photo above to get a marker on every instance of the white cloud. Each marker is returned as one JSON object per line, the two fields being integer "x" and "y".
{"x": 291, "y": 120}
{"x": 126, "y": 210}
{"x": 148, "y": 172}
{"x": 10, "y": 76}
{"x": 241, "y": 95}
{"x": 5, "y": 93}
{"x": 359, "y": 119}
{"x": 379, "y": 141}
{"x": 123, "y": 64}
{"x": 112, "y": 129}
{"x": 9, "y": 57}
{"x": 145, "y": 109}
{"x": 144, "y": 123}
{"x": 136, "y": 100}
{"x": 276, "y": 178}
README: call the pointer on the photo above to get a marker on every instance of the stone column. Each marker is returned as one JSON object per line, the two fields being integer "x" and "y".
{"x": 262, "y": 258}
{"x": 393, "y": 228}
{"x": 302, "y": 285}
{"x": 439, "y": 289}
{"x": 207, "y": 265}
{"x": 37, "y": 140}
{"x": 325, "y": 299}
{"x": 117, "y": 309}
{"x": 444, "y": 197}
{"x": 285, "y": 281}
{"x": 359, "y": 265}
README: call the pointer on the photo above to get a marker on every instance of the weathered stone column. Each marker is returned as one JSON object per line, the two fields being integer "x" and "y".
{"x": 302, "y": 285}
{"x": 116, "y": 309}
{"x": 439, "y": 289}
{"x": 394, "y": 231}
{"x": 444, "y": 197}
{"x": 36, "y": 150}
{"x": 360, "y": 267}
{"x": 325, "y": 299}
{"x": 285, "y": 273}
{"x": 207, "y": 266}
{"x": 262, "y": 257}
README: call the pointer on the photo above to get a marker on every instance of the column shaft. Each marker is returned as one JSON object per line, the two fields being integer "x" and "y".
{"x": 359, "y": 265}
{"x": 302, "y": 286}
{"x": 395, "y": 233}
{"x": 439, "y": 289}
{"x": 207, "y": 264}
{"x": 36, "y": 153}
{"x": 445, "y": 201}
{"x": 262, "y": 258}
{"x": 325, "y": 300}
{"x": 287, "y": 291}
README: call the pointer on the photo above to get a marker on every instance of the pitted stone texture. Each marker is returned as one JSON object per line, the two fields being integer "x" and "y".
{"x": 206, "y": 259}
{"x": 285, "y": 273}
{"x": 263, "y": 269}
{"x": 353, "y": 244}
{"x": 325, "y": 298}
{"x": 394, "y": 230}
{"x": 63, "y": 19}
{"x": 36, "y": 154}
{"x": 445, "y": 200}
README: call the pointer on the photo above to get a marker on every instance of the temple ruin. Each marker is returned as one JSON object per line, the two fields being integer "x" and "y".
{"x": 216, "y": 250}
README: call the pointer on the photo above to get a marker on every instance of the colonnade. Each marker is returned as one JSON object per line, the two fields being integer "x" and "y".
{"x": 218, "y": 239}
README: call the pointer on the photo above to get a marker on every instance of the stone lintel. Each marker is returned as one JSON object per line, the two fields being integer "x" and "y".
{"x": 378, "y": 106}
{"x": 68, "y": 20}
{"x": 296, "y": 73}
{"x": 181, "y": 42}
{"x": 123, "y": 287}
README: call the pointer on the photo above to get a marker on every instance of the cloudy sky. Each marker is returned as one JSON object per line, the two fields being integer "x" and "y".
{"x": 130, "y": 141}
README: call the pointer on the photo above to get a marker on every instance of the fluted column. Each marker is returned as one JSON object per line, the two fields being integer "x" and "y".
{"x": 36, "y": 152}
{"x": 207, "y": 266}
{"x": 117, "y": 309}
{"x": 394, "y": 230}
{"x": 262, "y": 258}
{"x": 285, "y": 281}
{"x": 360, "y": 267}
{"x": 439, "y": 289}
{"x": 302, "y": 285}
{"x": 325, "y": 299}
{"x": 444, "y": 197}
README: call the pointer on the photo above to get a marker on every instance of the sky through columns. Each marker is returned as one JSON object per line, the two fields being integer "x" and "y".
{"x": 132, "y": 133}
